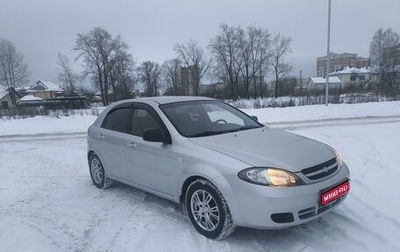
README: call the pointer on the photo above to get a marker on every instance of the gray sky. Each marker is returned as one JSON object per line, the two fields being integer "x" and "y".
{"x": 42, "y": 28}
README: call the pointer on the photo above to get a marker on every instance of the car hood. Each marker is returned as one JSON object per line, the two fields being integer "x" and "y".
{"x": 266, "y": 147}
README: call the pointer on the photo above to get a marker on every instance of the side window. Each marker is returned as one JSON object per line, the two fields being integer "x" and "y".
{"x": 117, "y": 120}
{"x": 141, "y": 121}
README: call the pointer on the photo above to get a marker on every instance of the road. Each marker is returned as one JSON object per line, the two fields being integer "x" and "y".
{"x": 288, "y": 125}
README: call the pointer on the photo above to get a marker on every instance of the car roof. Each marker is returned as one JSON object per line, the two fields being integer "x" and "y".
{"x": 171, "y": 99}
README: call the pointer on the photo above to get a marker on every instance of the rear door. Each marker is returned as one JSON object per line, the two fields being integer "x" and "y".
{"x": 112, "y": 139}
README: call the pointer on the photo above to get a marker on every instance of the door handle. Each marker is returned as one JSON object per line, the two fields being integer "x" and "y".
{"x": 132, "y": 145}
{"x": 101, "y": 136}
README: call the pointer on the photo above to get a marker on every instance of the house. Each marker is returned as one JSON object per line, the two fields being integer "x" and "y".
{"x": 319, "y": 83}
{"x": 6, "y": 98}
{"x": 356, "y": 77}
{"x": 50, "y": 96}
{"x": 45, "y": 90}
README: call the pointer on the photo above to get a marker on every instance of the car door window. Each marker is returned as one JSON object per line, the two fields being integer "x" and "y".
{"x": 141, "y": 121}
{"x": 117, "y": 120}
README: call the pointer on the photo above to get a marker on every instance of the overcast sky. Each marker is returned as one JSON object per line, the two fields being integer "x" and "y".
{"x": 42, "y": 28}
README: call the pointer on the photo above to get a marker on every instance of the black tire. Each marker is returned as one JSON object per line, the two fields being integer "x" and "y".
{"x": 208, "y": 211}
{"x": 97, "y": 173}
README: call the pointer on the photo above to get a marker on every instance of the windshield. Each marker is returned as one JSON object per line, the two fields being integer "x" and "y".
{"x": 206, "y": 118}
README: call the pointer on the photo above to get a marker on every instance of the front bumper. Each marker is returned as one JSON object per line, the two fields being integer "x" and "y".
{"x": 264, "y": 207}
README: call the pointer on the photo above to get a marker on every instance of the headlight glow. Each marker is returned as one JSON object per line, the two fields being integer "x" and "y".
{"x": 270, "y": 177}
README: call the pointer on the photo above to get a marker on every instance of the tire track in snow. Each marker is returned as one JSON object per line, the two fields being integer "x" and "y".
{"x": 295, "y": 125}
{"x": 42, "y": 136}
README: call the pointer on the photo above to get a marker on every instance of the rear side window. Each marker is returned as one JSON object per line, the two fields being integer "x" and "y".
{"x": 117, "y": 120}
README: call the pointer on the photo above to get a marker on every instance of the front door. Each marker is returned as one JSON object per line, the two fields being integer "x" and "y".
{"x": 148, "y": 163}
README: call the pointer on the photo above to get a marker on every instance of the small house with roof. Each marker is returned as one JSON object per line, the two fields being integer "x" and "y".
{"x": 45, "y": 90}
{"x": 319, "y": 83}
{"x": 355, "y": 77}
{"x": 6, "y": 98}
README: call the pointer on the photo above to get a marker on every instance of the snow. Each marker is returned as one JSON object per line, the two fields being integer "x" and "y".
{"x": 3, "y": 92}
{"x": 79, "y": 124}
{"x": 48, "y": 202}
{"x": 350, "y": 70}
{"x": 31, "y": 98}
{"x": 322, "y": 112}
{"x": 48, "y": 85}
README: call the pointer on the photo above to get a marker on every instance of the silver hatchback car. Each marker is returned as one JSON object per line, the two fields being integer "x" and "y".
{"x": 223, "y": 167}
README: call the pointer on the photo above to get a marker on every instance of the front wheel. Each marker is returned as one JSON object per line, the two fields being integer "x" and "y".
{"x": 97, "y": 173}
{"x": 208, "y": 210}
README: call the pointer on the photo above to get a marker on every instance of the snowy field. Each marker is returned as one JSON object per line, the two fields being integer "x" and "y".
{"x": 48, "y": 202}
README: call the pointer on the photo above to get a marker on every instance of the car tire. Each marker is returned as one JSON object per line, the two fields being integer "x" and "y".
{"x": 208, "y": 211}
{"x": 97, "y": 173}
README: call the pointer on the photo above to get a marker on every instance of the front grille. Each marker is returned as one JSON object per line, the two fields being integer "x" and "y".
{"x": 321, "y": 170}
{"x": 307, "y": 213}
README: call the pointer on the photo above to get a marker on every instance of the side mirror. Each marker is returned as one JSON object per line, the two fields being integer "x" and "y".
{"x": 255, "y": 118}
{"x": 155, "y": 135}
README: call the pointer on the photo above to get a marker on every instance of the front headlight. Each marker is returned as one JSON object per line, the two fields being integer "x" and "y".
{"x": 270, "y": 177}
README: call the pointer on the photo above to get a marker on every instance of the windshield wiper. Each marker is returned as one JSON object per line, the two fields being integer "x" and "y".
{"x": 207, "y": 133}
{"x": 212, "y": 133}
{"x": 250, "y": 127}
{"x": 243, "y": 128}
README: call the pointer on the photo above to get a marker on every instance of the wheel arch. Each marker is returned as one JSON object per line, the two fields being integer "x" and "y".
{"x": 219, "y": 182}
{"x": 184, "y": 188}
{"x": 90, "y": 152}
{"x": 224, "y": 228}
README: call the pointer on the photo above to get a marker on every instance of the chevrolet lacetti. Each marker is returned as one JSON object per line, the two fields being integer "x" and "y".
{"x": 223, "y": 167}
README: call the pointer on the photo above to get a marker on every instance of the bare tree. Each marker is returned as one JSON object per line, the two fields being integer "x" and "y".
{"x": 121, "y": 65}
{"x": 149, "y": 73}
{"x": 107, "y": 62}
{"x": 241, "y": 57}
{"x": 260, "y": 43}
{"x": 13, "y": 70}
{"x": 225, "y": 50}
{"x": 196, "y": 63}
{"x": 171, "y": 72}
{"x": 382, "y": 55}
{"x": 281, "y": 46}
{"x": 254, "y": 43}
{"x": 66, "y": 74}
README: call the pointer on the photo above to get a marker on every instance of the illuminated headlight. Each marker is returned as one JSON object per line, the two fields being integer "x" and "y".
{"x": 270, "y": 177}
{"x": 339, "y": 159}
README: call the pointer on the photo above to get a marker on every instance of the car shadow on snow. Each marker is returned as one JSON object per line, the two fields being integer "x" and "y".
{"x": 316, "y": 234}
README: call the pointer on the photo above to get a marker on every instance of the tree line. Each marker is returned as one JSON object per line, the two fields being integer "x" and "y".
{"x": 238, "y": 58}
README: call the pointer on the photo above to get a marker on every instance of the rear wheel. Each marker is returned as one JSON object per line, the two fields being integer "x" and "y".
{"x": 208, "y": 210}
{"x": 97, "y": 172}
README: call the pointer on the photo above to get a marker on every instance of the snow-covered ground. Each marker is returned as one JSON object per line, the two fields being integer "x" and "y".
{"x": 48, "y": 202}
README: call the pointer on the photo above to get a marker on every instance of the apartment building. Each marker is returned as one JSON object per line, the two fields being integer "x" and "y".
{"x": 340, "y": 61}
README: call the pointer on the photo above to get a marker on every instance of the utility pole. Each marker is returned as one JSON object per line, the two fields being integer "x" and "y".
{"x": 328, "y": 58}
